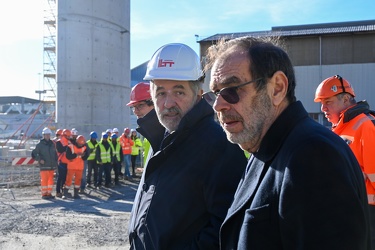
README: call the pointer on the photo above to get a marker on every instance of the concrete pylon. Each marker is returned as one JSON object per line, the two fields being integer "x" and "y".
{"x": 93, "y": 65}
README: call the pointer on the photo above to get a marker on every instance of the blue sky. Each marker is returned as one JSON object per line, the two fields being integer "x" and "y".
{"x": 155, "y": 23}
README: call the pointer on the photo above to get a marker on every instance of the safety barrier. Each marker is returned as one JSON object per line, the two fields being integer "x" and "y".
{"x": 17, "y": 168}
{"x": 23, "y": 161}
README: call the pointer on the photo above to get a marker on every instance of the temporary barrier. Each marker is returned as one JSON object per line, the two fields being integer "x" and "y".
{"x": 17, "y": 171}
{"x": 23, "y": 161}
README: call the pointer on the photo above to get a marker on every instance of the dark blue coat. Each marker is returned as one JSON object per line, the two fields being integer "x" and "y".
{"x": 187, "y": 186}
{"x": 303, "y": 189}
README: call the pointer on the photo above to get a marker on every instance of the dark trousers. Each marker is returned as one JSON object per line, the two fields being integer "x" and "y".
{"x": 62, "y": 169}
{"x": 92, "y": 166}
{"x": 117, "y": 169}
{"x": 105, "y": 169}
{"x": 133, "y": 159}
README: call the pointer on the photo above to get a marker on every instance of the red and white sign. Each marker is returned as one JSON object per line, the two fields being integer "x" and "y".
{"x": 23, "y": 161}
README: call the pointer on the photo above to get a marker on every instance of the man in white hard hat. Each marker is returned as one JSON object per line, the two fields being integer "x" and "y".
{"x": 190, "y": 180}
{"x": 45, "y": 154}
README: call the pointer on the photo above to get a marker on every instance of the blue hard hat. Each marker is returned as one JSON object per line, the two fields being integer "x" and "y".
{"x": 104, "y": 135}
{"x": 94, "y": 135}
{"x": 113, "y": 136}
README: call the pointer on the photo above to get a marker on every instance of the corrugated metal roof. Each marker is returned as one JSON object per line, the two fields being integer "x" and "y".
{"x": 17, "y": 99}
{"x": 303, "y": 30}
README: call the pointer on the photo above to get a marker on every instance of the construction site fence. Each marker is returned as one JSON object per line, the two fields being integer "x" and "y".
{"x": 17, "y": 168}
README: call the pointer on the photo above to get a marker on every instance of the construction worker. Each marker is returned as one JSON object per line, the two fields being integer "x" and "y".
{"x": 74, "y": 133}
{"x": 116, "y": 131}
{"x": 57, "y": 135}
{"x": 354, "y": 122}
{"x": 109, "y": 133}
{"x": 46, "y": 156}
{"x": 92, "y": 166}
{"x": 76, "y": 154}
{"x": 61, "y": 146}
{"x": 136, "y": 148}
{"x": 126, "y": 145}
{"x": 103, "y": 156}
{"x": 141, "y": 104}
{"x": 190, "y": 180}
{"x": 117, "y": 156}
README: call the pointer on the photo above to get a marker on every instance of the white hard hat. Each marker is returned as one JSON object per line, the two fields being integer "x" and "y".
{"x": 46, "y": 130}
{"x": 115, "y": 130}
{"x": 174, "y": 61}
{"x": 108, "y": 130}
{"x": 74, "y": 131}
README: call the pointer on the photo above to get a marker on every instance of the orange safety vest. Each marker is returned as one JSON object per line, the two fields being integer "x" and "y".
{"x": 359, "y": 133}
{"x": 126, "y": 144}
{"x": 76, "y": 163}
{"x": 61, "y": 157}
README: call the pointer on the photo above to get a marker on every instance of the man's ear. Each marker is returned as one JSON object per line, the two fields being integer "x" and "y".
{"x": 279, "y": 87}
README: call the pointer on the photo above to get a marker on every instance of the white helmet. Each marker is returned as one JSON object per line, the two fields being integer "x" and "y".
{"x": 46, "y": 130}
{"x": 74, "y": 131}
{"x": 174, "y": 61}
{"x": 115, "y": 130}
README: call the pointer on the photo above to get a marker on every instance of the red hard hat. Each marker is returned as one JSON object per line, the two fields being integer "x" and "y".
{"x": 67, "y": 133}
{"x": 126, "y": 131}
{"x": 140, "y": 92}
{"x": 332, "y": 86}
{"x": 59, "y": 132}
{"x": 81, "y": 140}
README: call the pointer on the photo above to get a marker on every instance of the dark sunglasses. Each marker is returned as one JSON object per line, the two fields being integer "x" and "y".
{"x": 229, "y": 94}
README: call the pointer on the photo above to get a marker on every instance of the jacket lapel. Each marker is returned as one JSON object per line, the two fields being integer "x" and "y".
{"x": 247, "y": 188}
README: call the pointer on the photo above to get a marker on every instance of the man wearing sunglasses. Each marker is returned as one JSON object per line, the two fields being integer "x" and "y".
{"x": 302, "y": 187}
{"x": 189, "y": 182}
{"x": 355, "y": 123}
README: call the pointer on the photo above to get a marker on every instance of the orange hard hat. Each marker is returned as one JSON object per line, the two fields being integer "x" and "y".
{"x": 67, "y": 133}
{"x": 332, "y": 86}
{"x": 140, "y": 92}
{"x": 59, "y": 132}
{"x": 81, "y": 140}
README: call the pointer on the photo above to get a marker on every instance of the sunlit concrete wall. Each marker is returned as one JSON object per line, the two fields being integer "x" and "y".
{"x": 93, "y": 64}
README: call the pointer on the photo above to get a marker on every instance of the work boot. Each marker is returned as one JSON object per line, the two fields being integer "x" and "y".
{"x": 76, "y": 196}
{"x": 65, "y": 193}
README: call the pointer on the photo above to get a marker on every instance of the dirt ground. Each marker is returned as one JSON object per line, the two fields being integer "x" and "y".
{"x": 98, "y": 220}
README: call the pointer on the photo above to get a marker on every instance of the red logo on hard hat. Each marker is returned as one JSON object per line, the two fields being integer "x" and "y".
{"x": 164, "y": 63}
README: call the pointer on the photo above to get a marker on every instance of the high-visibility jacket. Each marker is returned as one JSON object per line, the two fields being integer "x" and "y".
{"x": 105, "y": 154}
{"x": 92, "y": 148}
{"x": 61, "y": 149}
{"x": 126, "y": 144}
{"x": 137, "y": 146}
{"x": 77, "y": 162}
{"x": 116, "y": 149}
{"x": 357, "y": 127}
{"x": 146, "y": 150}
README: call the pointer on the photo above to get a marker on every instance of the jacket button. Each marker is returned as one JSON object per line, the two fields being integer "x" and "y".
{"x": 144, "y": 187}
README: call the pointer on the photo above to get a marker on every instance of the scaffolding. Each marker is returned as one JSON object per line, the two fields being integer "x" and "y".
{"x": 49, "y": 48}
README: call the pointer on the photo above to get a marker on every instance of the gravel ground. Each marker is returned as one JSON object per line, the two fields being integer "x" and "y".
{"x": 98, "y": 220}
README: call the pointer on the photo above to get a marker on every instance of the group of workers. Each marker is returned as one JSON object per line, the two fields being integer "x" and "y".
{"x": 83, "y": 161}
{"x": 303, "y": 187}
